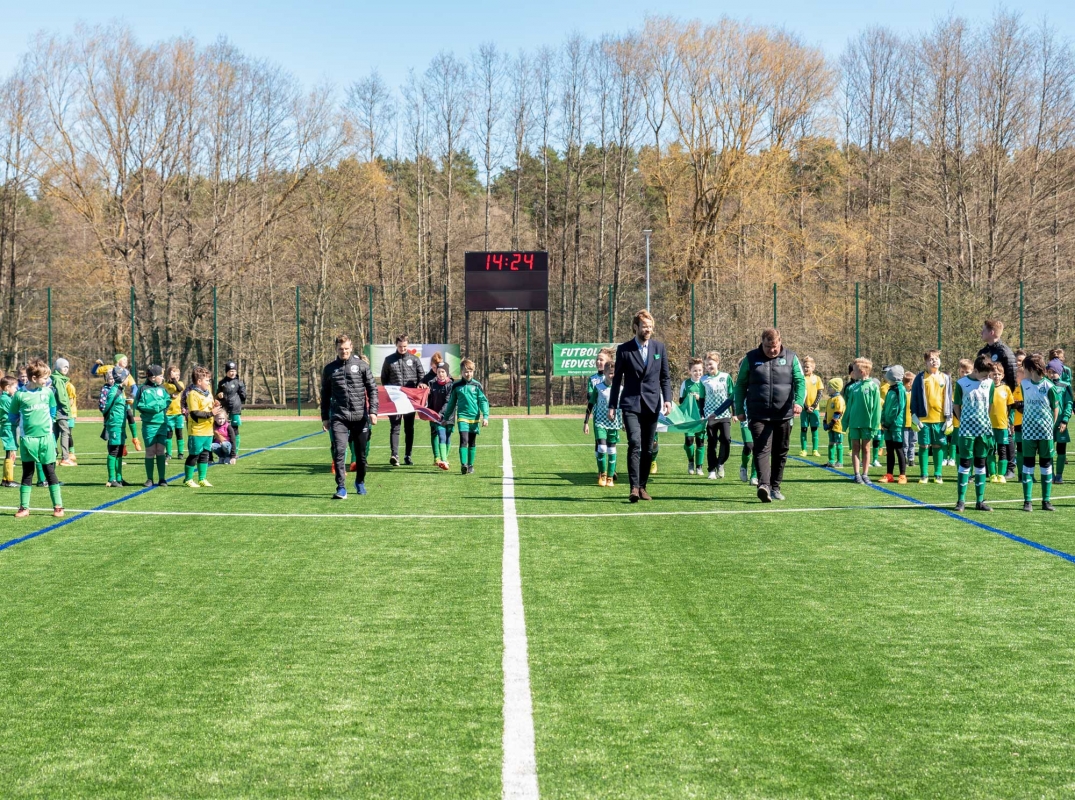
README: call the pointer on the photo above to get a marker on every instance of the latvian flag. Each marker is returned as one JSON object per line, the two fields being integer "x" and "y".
{"x": 401, "y": 400}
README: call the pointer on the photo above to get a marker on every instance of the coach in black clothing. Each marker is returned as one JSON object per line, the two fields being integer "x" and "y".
{"x": 998, "y": 352}
{"x": 641, "y": 389}
{"x": 402, "y": 369}
{"x": 348, "y": 409}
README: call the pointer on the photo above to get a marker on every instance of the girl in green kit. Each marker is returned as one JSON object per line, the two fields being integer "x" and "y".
{"x": 35, "y": 407}
{"x": 862, "y": 420}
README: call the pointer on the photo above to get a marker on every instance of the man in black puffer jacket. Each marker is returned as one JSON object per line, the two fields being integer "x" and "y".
{"x": 231, "y": 392}
{"x": 402, "y": 369}
{"x": 348, "y": 409}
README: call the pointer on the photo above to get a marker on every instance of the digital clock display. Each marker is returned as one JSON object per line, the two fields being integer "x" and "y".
{"x": 507, "y": 281}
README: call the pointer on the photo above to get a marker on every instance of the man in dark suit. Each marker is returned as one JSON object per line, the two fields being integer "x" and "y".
{"x": 641, "y": 389}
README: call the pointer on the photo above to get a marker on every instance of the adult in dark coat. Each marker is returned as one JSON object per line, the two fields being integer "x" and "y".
{"x": 998, "y": 352}
{"x": 348, "y": 409}
{"x": 641, "y": 389}
{"x": 402, "y": 369}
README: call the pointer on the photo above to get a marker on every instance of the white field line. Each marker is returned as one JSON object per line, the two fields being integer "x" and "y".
{"x": 711, "y": 512}
{"x": 519, "y": 772}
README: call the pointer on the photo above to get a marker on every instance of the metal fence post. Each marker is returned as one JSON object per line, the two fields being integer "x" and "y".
{"x": 857, "y": 348}
{"x": 611, "y": 321}
{"x": 369, "y": 289}
{"x": 446, "y": 313}
{"x": 132, "y": 358}
{"x": 1021, "y": 309}
{"x": 48, "y": 297}
{"x": 774, "y": 307}
{"x": 298, "y": 350}
{"x": 528, "y": 363}
{"x": 692, "y": 320}
{"x": 216, "y": 340}
{"x": 940, "y": 321}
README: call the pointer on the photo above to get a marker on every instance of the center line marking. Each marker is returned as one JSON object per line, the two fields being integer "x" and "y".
{"x": 519, "y": 774}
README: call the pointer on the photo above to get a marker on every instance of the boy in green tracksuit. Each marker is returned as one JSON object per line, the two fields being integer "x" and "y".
{"x": 152, "y": 405}
{"x": 1055, "y": 371}
{"x": 834, "y": 413}
{"x": 606, "y": 432}
{"x": 893, "y": 414}
{"x": 971, "y": 403}
{"x": 1041, "y": 407}
{"x": 862, "y": 419}
{"x": 694, "y": 444}
{"x": 471, "y": 408}
{"x": 113, "y": 405}
{"x": 35, "y": 407}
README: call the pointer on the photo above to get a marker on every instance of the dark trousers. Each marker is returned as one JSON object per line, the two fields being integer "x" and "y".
{"x": 343, "y": 433}
{"x": 718, "y": 431}
{"x": 771, "y": 442}
{"x": 641, "y": 430}
{"x": 408, "y": 432}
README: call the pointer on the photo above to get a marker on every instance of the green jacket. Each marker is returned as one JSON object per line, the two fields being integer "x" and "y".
{"x": 63, "y": 400}
{"x": 863, "y": 405}
{"x": 151, "y": 404}
{"x": 115, "y": 410}
{"x": 894, "y": 411}
{"x": 468, "y": 401}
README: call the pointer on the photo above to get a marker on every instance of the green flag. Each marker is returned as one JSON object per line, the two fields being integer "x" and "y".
{"x": 685, "y": 418}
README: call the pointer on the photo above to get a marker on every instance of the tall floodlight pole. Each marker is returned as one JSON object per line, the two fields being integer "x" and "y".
{"x": 647, "y": 233}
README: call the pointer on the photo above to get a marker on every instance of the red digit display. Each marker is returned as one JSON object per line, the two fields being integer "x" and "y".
{"x": 528, "y": 259}
{"x": 507, "y": 280}
{"x": 515, "y": 259}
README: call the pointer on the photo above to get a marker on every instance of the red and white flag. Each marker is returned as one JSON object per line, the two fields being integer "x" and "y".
{"x": 401, "y": 400}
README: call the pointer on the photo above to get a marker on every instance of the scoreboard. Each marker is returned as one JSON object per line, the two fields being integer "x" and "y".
{"x": 507, "y": 281}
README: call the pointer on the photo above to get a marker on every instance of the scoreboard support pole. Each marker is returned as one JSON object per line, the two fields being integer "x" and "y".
{"x": 548, "y": 365}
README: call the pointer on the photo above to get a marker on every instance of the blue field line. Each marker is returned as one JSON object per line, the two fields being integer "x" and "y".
{"x": 132, "y": 495}
{"x": 948, "y": 513}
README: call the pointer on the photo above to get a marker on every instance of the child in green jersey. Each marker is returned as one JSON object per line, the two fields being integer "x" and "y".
{"x": 35, "y": 408}
{"x": 471, "y": 407}
{"x": 719, "y": 403}
{"x": 893, "y": 413}
{"x": 694, "y": 444}
{"x": 1055, "y": 371}
{"x": 152, "y": 405}
{"x": 113, "y": 405}
{"x": 863, "y": 416}
{"x": 1041, "y": 407}
{"x": 8, "y": 386}
{"x": 606, "y": 432}
{"x": 931, "y": 414}
{"x": 971, "y": 404}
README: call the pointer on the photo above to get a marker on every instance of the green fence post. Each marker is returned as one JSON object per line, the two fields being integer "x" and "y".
{"x": 298, "y": 350}
{"x": 446, "y": 313}
{"x": 774, "y": 307}
{"x": 369, "y": 289}
{"x": 692, "y": 320}
{"x": 132, "y": 358}
{"x": 216, "y": 340}
{"x": 611, "y": 322}
{"x": 1021, "y": 309}
{"x": 528, "y": 363}
{"x": 857, "y": 328}
{"x": 940, "y": 321}
{"x": 48, "y": 297}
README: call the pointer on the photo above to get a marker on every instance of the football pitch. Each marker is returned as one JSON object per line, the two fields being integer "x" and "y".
{"x": 257, "y": 639}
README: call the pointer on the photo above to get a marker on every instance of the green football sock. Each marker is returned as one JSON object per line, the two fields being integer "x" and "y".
{"x": 923, "y": 461}
{"x": 24, "y": 495}
{"x": 1061, "y": 462}
{"x": 237, "y": 440}
{"x": 964, "y": 479}
{"x": 434, "y": 442}
{"x": 1028, "y": 485}
{"x": 168, "y": 447}
{"x": 601, "y": 459}
{"x": 112, "y": 468}
{"x": 699, "y": 456}
{"x": 203, "y": 469}
{"x": 744, "y": 459}
{"x": 149, "y": 468}
{"x": 840, "y": 453}
{"x": 1047, "y": 485}
{"x": 979, "y": 486}
{"x": 188, "y": 472}
{"x": 470, "y": 455}
{"x": 40, "y": 472}
{"x": 991, "y": 465}
{"x": 54, "y": 493}
{"x": 689, "y": 450}
{"x": 832, "y": 453}
{"x": 1003, "y": 467}
{"x": 611, "y": 464}
{"x": 802, "y": 437}
{"x": 814, "y": 437}
{"x": 179, "y": 447}
{"x": 938, "y": 459}
{"x": 160, "y": 467}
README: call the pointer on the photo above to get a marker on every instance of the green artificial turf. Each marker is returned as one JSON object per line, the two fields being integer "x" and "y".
{"x": 836, "y": 650}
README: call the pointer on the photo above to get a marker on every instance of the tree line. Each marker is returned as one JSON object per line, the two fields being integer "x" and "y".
{"x": 175, "y": 167}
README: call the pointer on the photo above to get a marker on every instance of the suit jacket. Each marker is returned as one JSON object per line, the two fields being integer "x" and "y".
{"x": 638, "y": 386}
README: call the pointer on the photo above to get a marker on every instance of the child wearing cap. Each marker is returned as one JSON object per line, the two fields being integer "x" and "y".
{"x": 176, "y": 421}
{"x": 113, "y": 405}
{"x": 61, "y": 426}
{"x": 834, "y": 412}
{"x": 128, "y": 389}
{"x": 1055, "y": 372}
{"x": 152, "y": 405}
{"x": 231, "y": 392}
{"x": 893, "y": 415}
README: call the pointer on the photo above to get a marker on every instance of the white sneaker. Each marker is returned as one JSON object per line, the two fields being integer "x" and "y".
{"x": 712, "y": 475}
{"x": 743, "y": 474}
{"x": 690, "y": 470}
{"x": 720, "y": 472}
{"x": 753, "y": 481}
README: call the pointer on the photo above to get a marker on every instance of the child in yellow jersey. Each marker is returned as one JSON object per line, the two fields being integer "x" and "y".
{"x": 1000, "y": 419}
{"x": 965, "y": 368}
{"x": 931, "y": 413}
{"x": 834, "y": 411}
{"x": 810, "y": 418}
{"x": 910, "y": 435}
{"x": 1017, "y": 417}
{"x": 174, "y": 413}
{"x": 199, "y": 406}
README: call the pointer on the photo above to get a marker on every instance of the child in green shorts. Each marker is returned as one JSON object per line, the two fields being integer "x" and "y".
{"x": 113, "y": 405}
{"x": 198, "y": 402}
{"x": 1055, "y": 372}
{"x": 1041, "y": 407}
{"x": 694, "y": 443}
{"x": 862, "y": 419}
{"x": 35, "y": 406}
{"x": 834, "y": 412}
{"x": 174, "y": 413}
{"x": 893, "y": 414}
{"x": 931, "y": 414}
{"x": 810, "y": 418}
{"x": 152, "y": 403}
{"x": 471, "y": 407}
{"x": 971, "y": 404}
{"x": 606, "y": 432}
{"x": 1000, "y": 419}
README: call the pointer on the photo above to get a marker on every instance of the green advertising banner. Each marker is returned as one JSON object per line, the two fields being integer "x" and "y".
{"x": 575, "y": 359}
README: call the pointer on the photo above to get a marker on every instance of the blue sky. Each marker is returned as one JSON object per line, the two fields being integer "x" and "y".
{"x": 340, "y": 42}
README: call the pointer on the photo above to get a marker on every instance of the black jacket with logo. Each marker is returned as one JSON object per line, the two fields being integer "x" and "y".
{"x": 402, "y": 370}
{"x": 234, "y": 395}
{"x": 346, "y": 387}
